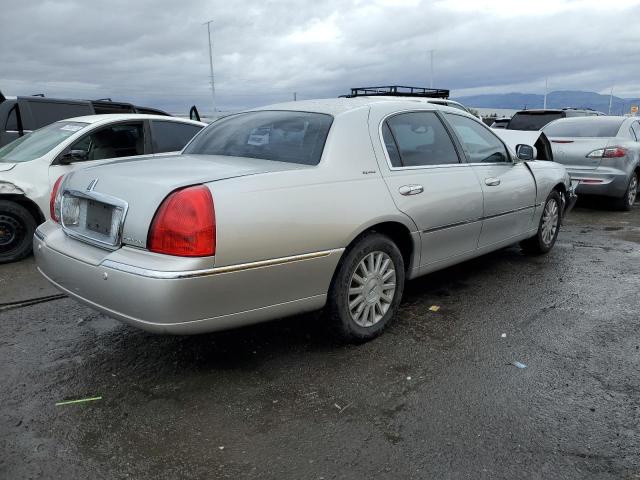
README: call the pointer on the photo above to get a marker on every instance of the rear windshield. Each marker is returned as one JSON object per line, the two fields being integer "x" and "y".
{"x": 283, "y": 136}
{"x": 36, "y": 144}
{"x": 533, "y": 120}
{"x": 584, "y": 127}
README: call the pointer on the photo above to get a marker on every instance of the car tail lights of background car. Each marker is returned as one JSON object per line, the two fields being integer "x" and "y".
{"x": 609, "y": 152}
{"x": 54, "y": 201}
{"x": 185, "y": 224}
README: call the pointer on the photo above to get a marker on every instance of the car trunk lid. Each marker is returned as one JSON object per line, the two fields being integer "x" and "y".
{"x": 573, "y": 152}
{"x": 134, "y": 189}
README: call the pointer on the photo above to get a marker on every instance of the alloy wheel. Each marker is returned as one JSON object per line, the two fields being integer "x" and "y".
{"x": 633, "y": 190}
{"x": 372, "y": 289}
{"x": 549, "y": 221}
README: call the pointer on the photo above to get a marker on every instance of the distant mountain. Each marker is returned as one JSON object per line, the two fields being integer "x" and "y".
{"x": 560, "y": 99}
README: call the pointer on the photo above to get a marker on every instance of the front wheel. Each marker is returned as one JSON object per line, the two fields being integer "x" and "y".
{"x": 16, "y": 231}
{"x": 548, "y": 228}
{"x": 366, "y": 289}
{"x": 629, "y": 198}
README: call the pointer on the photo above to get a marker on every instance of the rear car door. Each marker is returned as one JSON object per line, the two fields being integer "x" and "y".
{"x": 509, "y": 187}
{"x": 430, "y": 184}
{"x": 170, "y": 136}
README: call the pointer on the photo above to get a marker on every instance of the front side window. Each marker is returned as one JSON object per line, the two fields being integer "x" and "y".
{"x": 282, "y": 136}
{"x": 120, "y": 140}
{"x": 481, "y": 145}
{"x": 38, "y": 143}
{"x": 171, "y": 136}
{"x": 421, "y": 140}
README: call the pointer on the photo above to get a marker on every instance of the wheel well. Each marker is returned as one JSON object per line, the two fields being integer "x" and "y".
{"x": 560, "y": 188}
{"x": 23, "y": 201}
{"x": 400, "y": 236}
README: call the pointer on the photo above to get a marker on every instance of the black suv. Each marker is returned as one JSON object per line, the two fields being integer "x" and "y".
{"x": 536, "y": 119}
{"x": 20, "y": 115}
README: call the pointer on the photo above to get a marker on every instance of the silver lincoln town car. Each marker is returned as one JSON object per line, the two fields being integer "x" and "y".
{"x": 292, "y": 208}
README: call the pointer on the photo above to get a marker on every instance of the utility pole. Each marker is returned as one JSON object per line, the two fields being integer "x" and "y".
{"x": 546, "y": 90}
{"x": 431, "y": 69}
{"x": 610, "y": 100}
{"x": 295, "y": 96}
{"x": 213, "y": 88}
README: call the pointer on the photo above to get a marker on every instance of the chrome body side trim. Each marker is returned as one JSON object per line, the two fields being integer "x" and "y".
{"x": 457, "y": 224}
{"x": 168, "y": 275}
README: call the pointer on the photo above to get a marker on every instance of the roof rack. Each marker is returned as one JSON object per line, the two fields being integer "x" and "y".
{"x": 397, "y": 91}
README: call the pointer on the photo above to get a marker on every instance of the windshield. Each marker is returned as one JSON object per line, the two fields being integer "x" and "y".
{"x": 36, "y": 144}
{"x": 533, "y": 120}
{"x": 283, "y": 136}
{"x": 584, "y": 127}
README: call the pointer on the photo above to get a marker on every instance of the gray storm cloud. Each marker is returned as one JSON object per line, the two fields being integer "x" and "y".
{"x": 155, "y": 52}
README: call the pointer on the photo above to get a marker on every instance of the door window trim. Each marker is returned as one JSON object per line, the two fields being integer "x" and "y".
{"x": 453, "y": 139}
{"x": 467, "y": 162}
{"x": 67, "y": 149}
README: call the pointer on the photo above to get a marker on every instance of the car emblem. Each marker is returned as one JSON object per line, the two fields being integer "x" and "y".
{"x": 92, "y": 185}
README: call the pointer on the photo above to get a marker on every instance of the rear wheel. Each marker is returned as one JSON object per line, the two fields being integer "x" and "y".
{"x": 16, "y": 231}
{"x": 366, "y": 289}
{"x": 548, "y": 228}
{"x": 629, "y": 198}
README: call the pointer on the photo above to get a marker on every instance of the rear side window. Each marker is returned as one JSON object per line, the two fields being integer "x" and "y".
{"x": 480, "y": 143}
{"x": 635, "y": 126}
{"x": 12, "y": 120}
{"x": 283, "y": 136}
{"x": 533, "y": 120}
{"x": 45, "y": 113}
{"x": 171, "y": 136}
{"x": 421, "y": 140}
{"x": 584, "y": 127}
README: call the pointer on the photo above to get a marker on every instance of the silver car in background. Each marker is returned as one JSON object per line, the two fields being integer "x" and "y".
{"x": 602, "y": 153}
{"x": 296, "y": 207}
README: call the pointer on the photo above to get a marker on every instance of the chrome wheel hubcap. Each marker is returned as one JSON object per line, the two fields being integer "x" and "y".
{"x": 371, "y": 289}
{"x": 550, "y": 221}
{"x": 633, "y": 190}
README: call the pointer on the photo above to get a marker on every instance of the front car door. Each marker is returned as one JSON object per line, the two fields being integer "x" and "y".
{"x": 509, "y": 186}
{"x": 421, "y": 165}
{"x": 102, "y": 144}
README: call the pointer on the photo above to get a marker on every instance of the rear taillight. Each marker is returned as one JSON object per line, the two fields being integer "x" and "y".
{"x": 54, "y": 200}
{"x": 185, "y": 224}
{"x": 609, "y": 152}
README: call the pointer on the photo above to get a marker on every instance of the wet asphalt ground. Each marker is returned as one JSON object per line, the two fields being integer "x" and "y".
{"x": 437, "y": 396}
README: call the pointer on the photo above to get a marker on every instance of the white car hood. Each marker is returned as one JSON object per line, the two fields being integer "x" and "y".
{"x": 5, "y": 167}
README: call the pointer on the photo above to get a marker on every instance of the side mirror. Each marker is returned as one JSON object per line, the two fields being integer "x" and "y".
{"x": 73, "y": 156}
{"x": 525, "y": 152}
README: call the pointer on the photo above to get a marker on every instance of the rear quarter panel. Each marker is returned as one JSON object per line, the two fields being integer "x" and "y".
{"x": 280, "y": 214}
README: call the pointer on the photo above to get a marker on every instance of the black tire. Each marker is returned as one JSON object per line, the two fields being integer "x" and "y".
{"x": 625, "y": 203}
{"x": 541, "y": 242}
{"x": 16, "y": 231}
{"x": 339, "y": 313}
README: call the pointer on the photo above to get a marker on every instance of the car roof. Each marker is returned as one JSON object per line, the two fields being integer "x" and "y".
{"x": 337, "y": 106}
{"x": 116, "y": 117}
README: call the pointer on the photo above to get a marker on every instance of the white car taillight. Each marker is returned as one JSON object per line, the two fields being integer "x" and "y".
{"x": 55, "y": 200}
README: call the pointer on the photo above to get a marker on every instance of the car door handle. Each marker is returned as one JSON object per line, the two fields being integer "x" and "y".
{"x": 492, "y": 182}
{"x": 411, "y": 189}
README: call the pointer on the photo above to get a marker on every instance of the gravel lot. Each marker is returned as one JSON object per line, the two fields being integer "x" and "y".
{"x": 437, "y": 396}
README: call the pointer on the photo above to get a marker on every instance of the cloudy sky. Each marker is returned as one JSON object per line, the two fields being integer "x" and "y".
{"x": 155, "y": 52}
